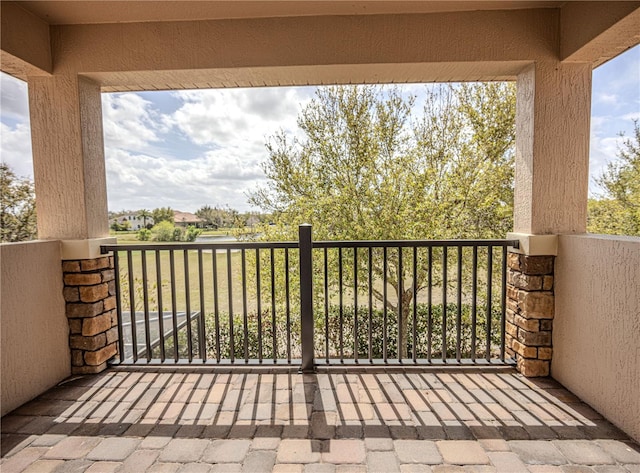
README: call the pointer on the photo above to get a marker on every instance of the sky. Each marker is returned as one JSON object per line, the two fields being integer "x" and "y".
{"x": 187, "y": 149}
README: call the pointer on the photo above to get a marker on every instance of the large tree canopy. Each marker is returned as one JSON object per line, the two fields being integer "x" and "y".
{"x": 17, "y": 207}
{"x": 619, "y": 211}
{"x": 365, "y": 166}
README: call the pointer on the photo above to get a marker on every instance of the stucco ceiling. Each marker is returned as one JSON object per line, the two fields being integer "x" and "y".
{"x": 94, "y": 12}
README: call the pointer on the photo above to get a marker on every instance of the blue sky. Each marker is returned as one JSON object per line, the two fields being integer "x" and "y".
{"x": 186, "y": 149}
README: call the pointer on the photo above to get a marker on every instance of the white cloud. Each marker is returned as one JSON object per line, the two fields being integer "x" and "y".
{"x": 607, "y": 98}
{"x": 130, "y": 122}
{"x": 225, "y": 116}
{"x": 15, "y": 148}
{"x": 225, "y": 131}
{"x": 14, "y": 101}
{"x": 631, "y": 116}
{"x": 215, "y": 178}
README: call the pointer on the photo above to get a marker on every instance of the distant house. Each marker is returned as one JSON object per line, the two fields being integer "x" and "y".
{"x": 135, "y": 222}
{"x": 184, "y": 219}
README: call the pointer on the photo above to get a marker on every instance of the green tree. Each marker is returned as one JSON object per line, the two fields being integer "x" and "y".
{"x": 123, "y": 226}
{"x": 619, "y": 211}
{"x": 163, "y": 231}
{"x": 191, "y": 233}
{"x": 218, "y": 217}
{"x": 209, "y": 215}
{"x": 162, "y": 214}
{"x": 144, "y": 234}
{"x": 365, "y": 168}
{"x": 144, "y": 214}
{"x": 17, "y": 207}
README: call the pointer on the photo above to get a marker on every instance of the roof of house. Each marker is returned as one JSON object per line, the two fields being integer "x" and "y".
{"x": 179, "y": 216}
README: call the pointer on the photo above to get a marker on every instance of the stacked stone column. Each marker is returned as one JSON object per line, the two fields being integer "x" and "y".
{"x": 530, "y": 311}
{"x": 89, "y": 292}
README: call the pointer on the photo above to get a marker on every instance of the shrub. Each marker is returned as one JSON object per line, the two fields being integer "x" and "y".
{"x": 178, "y": 234}
{"x": 192, "y": 233}
{"x": 163, "y": 231}
{"x": 144, "y": 235}
{"x": 260, "y": 331}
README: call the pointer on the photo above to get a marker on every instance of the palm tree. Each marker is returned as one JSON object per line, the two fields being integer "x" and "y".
{"x": 144, "y": 214}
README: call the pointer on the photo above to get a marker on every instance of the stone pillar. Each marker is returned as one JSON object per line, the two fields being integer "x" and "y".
{"x": 89, "y": 292}
{"x": 530, "y": 311}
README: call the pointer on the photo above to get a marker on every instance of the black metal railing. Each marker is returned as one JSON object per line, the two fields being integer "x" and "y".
{"x": 312, "y": 302}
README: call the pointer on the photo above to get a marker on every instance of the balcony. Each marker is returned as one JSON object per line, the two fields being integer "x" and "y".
{"x": 224, "y": 383}
{"x": 82, "y": 390}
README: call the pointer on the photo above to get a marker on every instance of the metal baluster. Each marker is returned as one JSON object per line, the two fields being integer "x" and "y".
{"x": 288, "y": 305}
{"x": 430, "y": 303}
{"x": 444, "y": 303}
{"x": 459, "y": 303}
{"x": 132, "y": 307}
{"x": 341, "y": 325}
{"x": 216, "y": 304}
{"x": 489, "y": 295}
{"x": 232, "y": 345}
{"x": 160, "y": 306}
{"x": 174, "y": 305}
{"x": 145, "y": 300}
{"x": 245, "y": 311}
{"x": 503, "y": 302}
{"x": 326, "y": 305}
{"x": 259, "y": 303}
{"x": 116, "y": 267}
{"x": 415, "y": 303}
{"x": 369, "y": 330}
{"x": 400, "y": 311}
{"x": 355, "y": 304}
{"x": 273, "y": 307}
{"x": 187, "y": 294}
{"x": 384, "y": 303}
{"x": 201, "y": 320}
{"x": 474, "y": 301}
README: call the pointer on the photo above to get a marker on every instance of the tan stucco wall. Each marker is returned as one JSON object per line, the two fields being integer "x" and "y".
{"x": 596, "y": 331}
{"x": 68, "y": 153}
{"x": 26, "y": 46}
{"x": 552, "y": 148}
{"x": 590, "y": 32}
{"x": 225, "y": 52}
{"x": 34, "y": 329}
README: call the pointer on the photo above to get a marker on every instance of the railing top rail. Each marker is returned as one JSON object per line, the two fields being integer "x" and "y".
{"x": 237, "y": 245}
{"x": 414, "y": 243}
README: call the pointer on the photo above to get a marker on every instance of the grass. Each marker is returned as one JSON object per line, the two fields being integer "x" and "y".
{"x": 179, "y": 278}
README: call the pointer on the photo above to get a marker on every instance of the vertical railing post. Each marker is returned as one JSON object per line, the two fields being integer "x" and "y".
{"x": 306, "y": 298}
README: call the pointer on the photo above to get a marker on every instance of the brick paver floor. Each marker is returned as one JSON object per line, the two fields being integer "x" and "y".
{"x": 334, "y": 421}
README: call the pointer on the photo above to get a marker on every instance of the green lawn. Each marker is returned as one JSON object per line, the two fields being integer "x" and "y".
{"x": 179, "y": 278}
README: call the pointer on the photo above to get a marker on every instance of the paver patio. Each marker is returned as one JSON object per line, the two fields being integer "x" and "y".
{"x": 339, "y": 420}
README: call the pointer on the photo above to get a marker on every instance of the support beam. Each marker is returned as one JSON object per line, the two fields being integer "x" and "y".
{"x": 68, "y": 157}
{"x": 597, "y": 31}
{"x": 26, "y": 45}
{"x": 218, "y": 53}
{"x": 552, "y": 148}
